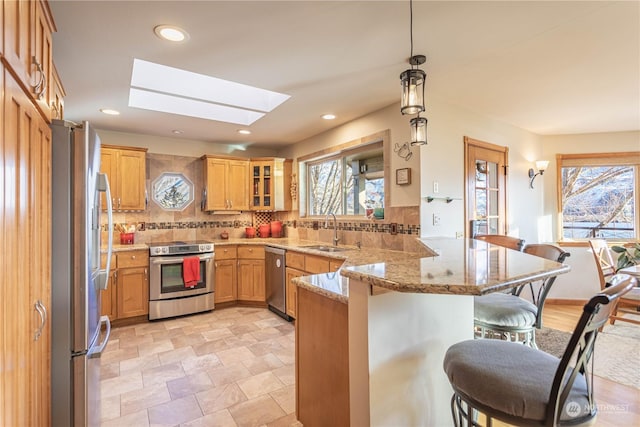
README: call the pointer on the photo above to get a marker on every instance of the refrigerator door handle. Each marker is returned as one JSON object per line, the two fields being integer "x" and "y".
{"x": 103, "y": 186}
{"x": 97, "y": 350}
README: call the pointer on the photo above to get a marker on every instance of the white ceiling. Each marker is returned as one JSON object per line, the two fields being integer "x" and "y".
{"x": 546, "y": 66}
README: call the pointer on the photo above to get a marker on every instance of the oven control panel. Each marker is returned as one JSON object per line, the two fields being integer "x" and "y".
{"x": 178, "y": 248}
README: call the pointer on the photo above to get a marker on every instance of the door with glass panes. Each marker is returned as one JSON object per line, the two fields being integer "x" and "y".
{"x": 486, "y": 187}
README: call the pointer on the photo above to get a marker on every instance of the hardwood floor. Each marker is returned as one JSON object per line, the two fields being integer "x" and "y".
{"x": 618, "y": 404}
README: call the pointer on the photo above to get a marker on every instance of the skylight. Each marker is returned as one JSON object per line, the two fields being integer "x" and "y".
{"x": 172, "y": 90}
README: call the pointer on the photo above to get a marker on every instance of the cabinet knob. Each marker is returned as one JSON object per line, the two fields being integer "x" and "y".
{"x": 133, "y": 257}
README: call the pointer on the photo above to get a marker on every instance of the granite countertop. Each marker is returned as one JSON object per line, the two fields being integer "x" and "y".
{"x": 444, "y": 266}
{"x": 447, "y": 266}
{"x": 123, "y": 248}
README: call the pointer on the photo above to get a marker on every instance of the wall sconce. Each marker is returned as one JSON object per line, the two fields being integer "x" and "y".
{"x": 541, "y": 165}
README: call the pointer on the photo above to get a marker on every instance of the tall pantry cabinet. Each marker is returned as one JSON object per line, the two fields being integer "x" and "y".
{"x": 25, "y": 212}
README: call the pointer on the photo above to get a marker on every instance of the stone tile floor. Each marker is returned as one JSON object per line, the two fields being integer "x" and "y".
{"x": 228, "y": 367}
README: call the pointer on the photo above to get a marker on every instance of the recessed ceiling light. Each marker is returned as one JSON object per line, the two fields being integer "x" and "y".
{"x": 328, "y": 116}
{"x": 177, "y": 132}
{"x": 110, "y": 112}
{"x": 244, "y": 131}
{"x": 171, "y": 33}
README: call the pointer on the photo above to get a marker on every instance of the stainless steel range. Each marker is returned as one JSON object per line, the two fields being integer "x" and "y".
{"x": 168, "y": 295}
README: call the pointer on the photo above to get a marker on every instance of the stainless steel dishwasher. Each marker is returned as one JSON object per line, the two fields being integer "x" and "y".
{"x": 275, "y": 280}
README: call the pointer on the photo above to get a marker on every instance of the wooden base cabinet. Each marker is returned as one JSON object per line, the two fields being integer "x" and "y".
{"x": 292, "y": 290}
{"x": 322, "y": 361}
{"x": 251, "y": 274}
{"x": 128, "y": 292}
{"x": 225, "y": 284}
{"x": 300, "y": 264}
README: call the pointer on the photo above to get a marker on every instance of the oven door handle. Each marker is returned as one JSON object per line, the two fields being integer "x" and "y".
{"x": 176, "y": 260}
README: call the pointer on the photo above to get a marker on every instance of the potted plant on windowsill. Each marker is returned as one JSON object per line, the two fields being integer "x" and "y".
{"x": 627, "y": 255}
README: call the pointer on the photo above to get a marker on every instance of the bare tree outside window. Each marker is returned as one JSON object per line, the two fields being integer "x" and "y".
{"x": 598, "y": 201}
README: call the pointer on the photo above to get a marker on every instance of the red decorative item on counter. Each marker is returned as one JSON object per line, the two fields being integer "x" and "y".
{"x": 126, "y": 238}
{"x": 250, "y": 232}
{"x": 264, "y": 230}
{"x": 276, "y": 228}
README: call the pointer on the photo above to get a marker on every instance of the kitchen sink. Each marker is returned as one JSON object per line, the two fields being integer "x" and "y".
{"x": 325, "y": 248}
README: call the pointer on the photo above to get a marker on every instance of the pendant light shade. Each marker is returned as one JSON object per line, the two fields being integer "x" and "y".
{"x": 412, "y": 83}
{"x": 418, "y": 130}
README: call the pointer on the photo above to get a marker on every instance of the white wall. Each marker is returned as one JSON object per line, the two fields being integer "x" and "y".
{"x": 386, "y": 118}
{"x": 443, "y": 161}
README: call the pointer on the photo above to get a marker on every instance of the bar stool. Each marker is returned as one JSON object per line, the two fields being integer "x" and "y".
{"x": 510, "y": 317}
{"x": 524, "y": 386}
{"x": 501, "y": 240}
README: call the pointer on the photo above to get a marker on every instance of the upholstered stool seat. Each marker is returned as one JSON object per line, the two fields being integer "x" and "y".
{"x": 524, "y": 386}
{"x": 510, "y": 317}
{"x": 484, "y": 371}
{"x": 506, "y": 310}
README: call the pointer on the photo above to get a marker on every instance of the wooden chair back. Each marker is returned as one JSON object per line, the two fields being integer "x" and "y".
{"x": 604, "y": 260}
{"x": 502, "y": 240}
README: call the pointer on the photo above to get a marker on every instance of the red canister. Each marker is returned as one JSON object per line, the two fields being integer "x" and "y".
{"x": 276, "y": 228}
{"x": 264, "y": 230}
{"x": 250, "y": 232}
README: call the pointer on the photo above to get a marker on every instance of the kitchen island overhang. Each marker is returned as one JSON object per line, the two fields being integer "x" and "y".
{"x": 404, "y": 314}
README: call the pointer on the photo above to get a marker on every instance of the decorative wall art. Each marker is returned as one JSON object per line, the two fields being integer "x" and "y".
{"x": 172, "y": 191}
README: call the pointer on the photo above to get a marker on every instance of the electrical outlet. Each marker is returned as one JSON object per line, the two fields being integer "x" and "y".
{"x": 436, "y": 219}
{"x": 459, "y": 234}
{"x": 436, "y": 187}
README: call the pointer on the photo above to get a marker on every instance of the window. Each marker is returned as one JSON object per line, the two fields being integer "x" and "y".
{"x": 348, "y": 183}
{"x": 599, "y": 195}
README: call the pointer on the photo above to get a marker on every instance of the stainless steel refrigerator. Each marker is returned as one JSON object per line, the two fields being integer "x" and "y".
{"x": 77, "y": 336}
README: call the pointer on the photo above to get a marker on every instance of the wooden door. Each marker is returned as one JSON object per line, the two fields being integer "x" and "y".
{"x": 251, "y": 281}
{"x": 238, "y": 185}
{"x": 226, "y": 289}
{"x": 108, "y": 166}
{"x": 17, "y": 36}
{"x": 25, "y": 170}
{"x": 292, "y": 290}
{"x": 131, "y": 180}
{"x": 42, "y": 57}
{"x": 215, "y": 177}
{"x": 109, "y": 298}
{"x": 486, "y": 168}
{"x": 40, "y": 269}
{"x": 133, "y": 292}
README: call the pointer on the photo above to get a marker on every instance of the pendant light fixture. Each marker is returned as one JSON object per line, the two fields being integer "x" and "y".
{"x": 418, "y": 130}
{"x": 412, "y": 80}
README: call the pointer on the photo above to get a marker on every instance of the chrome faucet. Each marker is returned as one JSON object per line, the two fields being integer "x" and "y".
{"x": 335, "y": 227}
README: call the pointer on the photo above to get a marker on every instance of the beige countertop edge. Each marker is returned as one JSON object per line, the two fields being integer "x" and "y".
{"x": 303, "y": 282}
{"x": 444, "y": 288}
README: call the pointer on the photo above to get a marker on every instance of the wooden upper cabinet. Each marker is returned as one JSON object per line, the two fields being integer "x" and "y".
{"x": 271, "y": 184}
{"x": 27, "y": 48}
{"x": 226, "y": 184}
{"x": 126, "y": 170}
{"x": 57, "y": 97}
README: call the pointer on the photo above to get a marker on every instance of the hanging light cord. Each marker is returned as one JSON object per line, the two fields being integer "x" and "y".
{"x": 411, "y": 28}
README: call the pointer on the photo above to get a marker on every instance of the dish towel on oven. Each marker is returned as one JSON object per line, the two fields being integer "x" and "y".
{"x": 191, "y": 271}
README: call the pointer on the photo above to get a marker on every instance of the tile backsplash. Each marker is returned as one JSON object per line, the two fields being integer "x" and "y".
{"x": 398, "y": 230}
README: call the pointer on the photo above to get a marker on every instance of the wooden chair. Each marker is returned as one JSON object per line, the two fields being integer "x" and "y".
{"x": 502, "y": 240}
{"x": 522, "y": 386}
{"x": 510, "y": 317}
{"x": 606, "y": 266}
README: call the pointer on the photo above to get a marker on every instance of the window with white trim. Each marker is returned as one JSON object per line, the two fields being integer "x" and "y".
{"x": 346, "y": 183}
{"x": 598, "y": 196}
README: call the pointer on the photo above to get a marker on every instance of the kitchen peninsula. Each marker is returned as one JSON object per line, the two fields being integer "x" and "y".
{"x": 385, "y": 366}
